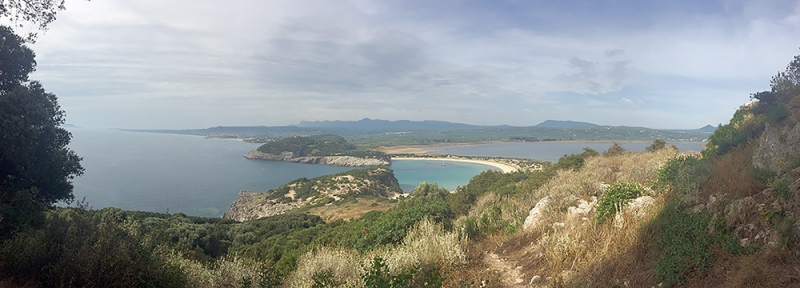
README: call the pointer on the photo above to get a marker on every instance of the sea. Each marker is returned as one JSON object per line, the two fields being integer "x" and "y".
{"x": 197, "y": 176}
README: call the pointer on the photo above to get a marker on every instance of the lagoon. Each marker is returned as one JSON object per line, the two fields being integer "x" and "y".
{"x": 197, "y": 176}
{"x": 547, "y": 151}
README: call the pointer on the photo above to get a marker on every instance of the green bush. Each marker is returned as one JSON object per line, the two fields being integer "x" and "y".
{"x": 684, "y": 242}
{"x": 575, "y": 161}
{"x": 776, "y": 113}
{"x": 683, "y": 175}
{"x": 79, "y": 248}
{"x": 687, "y": 241}
{"x": 614, "y": 198}
{"x": 657, "y": 144}
{"x": 378, "y": 276}
{"x": 615, "y": 150}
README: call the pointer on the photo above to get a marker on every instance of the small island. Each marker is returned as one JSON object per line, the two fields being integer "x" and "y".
{"x": 318, "y": 149}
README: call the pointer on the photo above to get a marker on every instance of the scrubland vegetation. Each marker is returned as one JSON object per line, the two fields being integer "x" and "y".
{"x": 725, "y": 217}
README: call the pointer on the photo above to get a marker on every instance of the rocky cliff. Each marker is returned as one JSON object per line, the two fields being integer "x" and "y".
{"x": 779, "y": 144}
{"x": 302, "y": 192}
{"x": 350, "y": 161}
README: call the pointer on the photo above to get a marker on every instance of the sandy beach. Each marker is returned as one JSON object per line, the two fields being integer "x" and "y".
{"x": 503, "y": 167}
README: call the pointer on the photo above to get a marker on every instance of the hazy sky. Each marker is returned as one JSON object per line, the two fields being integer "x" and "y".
{"x": 196, "y": 64}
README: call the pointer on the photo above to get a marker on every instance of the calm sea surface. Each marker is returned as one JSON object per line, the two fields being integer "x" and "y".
{"x": 548, "y": 151}
{"x": 197, "y": 176}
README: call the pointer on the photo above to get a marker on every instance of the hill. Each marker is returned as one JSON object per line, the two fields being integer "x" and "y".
{"x": 370, "y": 125}
{"x": 373, "y": 133}
{"x": 565, "y": 124}
{"x": 305, "y": 193}
{"x": 318, "y": 149}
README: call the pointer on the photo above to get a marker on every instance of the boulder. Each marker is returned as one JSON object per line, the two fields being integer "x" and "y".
{"x": 535, "y": 215}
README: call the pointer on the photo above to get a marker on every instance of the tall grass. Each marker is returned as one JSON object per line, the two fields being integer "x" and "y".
{"x": 427, "y": 244}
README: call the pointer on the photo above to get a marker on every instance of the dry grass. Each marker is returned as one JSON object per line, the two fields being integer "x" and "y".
{"x": 573, "y": 251}
{"x": 349, "y": 210}
{"x": 427, "y": 243}
{"x": 731, "y": 178}
{"x": 225, "y": 272}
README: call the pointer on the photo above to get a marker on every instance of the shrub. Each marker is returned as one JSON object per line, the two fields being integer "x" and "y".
{"x": 378, "y": 275}
{"x": 776, "y": 113}
{"x": 657, "y": 144}
{"x": 684, "y": 175}
{"x": 614, "y": 198}
{"x": 684, "y": 242}
{"x": 615, "y": 150}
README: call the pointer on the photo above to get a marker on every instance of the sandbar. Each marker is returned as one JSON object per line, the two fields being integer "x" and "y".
{"x": 503, "y": 167}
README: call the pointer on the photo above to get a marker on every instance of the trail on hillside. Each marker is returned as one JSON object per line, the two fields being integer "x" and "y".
{"x": 510, "y": 273}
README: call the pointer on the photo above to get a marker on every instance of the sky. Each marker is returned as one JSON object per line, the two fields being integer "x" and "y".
{"x": 182, "y": 64}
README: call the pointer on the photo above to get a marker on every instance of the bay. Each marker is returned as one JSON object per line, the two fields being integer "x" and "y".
{"x": 547, "y": 151}
{"x": 197, "y": 176}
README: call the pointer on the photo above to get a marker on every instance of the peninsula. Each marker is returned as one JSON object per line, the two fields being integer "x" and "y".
{"x": 370, "y": 183}
{"x": 318, "y": 149}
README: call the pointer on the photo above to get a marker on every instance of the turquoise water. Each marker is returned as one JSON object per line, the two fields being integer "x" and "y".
{"x": 197, "y": 176}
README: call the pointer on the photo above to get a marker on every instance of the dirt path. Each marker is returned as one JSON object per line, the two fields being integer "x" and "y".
{"x": 509, "y": 273}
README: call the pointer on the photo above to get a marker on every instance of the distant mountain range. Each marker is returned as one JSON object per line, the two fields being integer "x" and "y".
{"x": 367, "y": 124}
{"x": 405, "y": 132}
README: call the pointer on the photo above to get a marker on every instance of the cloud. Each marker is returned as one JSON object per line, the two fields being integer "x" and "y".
{"x": 593, "y": 77}
{"x": 614, "y": 52}
{"x": 181, "y": 64}
{"x": 626, "y": 100}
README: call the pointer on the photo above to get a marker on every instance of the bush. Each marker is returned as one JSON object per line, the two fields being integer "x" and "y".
{"x": 575, "y": 161}
{"x": 776, "y": 113}
{"x": 657, "y": 144}
{"x": 378, "y": 275}
{"x": 684, "y": 175}
{"x": 78, "y": 248}
{"x": 684, "y": 242}
{"x": 614, "y": 198}
{"x": 615, "y": 150}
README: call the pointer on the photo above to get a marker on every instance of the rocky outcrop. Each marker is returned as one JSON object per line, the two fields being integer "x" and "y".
{"x": 249, "y": 206}
{"x": 535, "y": 215}
{"x": 779, "y": 146}
{"x": 349, "y": 161}
{"x": 374, "y": 182}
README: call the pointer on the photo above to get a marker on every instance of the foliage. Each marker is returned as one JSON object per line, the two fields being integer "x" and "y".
{"x": 37, "y": 12}
{"x": 687, "y": 241}
{"x": 657, "y": 144}
{"x": 379, "y": 182}
{"x": 786, "y": 84}
{"x": 575, "y": 161}
{"x": 317, "y": 145}
{"x": 36, "y": 165}
{"x": 78, "y": 247}
{"x": 743, "y": 126}
{"x": 776, "y": 113}
{"x": 615, "y": 150}
{"x": 376, "y": 229}
{"x": 684, "y": 175}
{"x": 486, "y": 182}
{"x": 614, "y": 198}
{"x": 378, "y": 275}
{"x": 18, "y": 59}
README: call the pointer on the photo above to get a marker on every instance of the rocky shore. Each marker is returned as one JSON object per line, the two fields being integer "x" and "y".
{"x": 349, "y": 161}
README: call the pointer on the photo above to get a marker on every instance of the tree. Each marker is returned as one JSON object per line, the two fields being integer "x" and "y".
{"x": 36, "y": 12}
{"x": 786, "y": 84}
{"x": 615, "y": 150}
{"x": 657, "y": 144}
{"x": 36, "y": 166}
{"x": 16, "y": 60}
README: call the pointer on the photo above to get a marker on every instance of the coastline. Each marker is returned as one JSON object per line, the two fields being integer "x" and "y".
{"x": 503, "y": 167}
